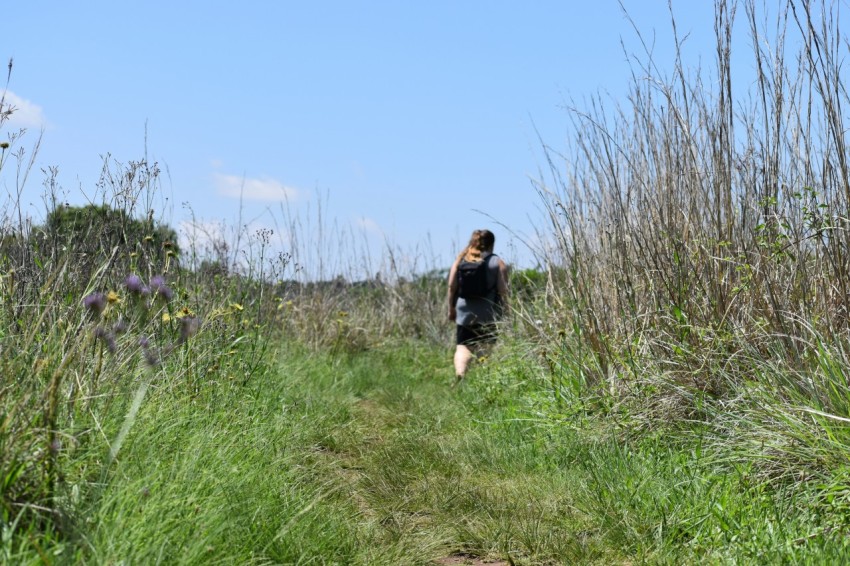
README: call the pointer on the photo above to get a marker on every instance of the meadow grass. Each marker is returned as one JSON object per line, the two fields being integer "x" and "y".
{"x": 372, "y": 458}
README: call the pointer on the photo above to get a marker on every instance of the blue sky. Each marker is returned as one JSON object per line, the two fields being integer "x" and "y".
{"x": 403, "y": 118}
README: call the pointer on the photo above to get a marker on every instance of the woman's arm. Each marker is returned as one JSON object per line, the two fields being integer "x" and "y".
{"x": 502, "y": 284}
{"x": 452, "y": 294}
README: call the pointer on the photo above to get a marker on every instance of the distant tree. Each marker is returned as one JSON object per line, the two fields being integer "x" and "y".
{"x": 91, "y": 232}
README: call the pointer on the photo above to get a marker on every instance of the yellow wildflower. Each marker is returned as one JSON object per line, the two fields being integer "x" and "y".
{"x": 166, "y": 317}
{"x": 112, "y": 297}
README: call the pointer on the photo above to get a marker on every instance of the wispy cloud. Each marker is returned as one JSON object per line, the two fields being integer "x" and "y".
{"x": 368, "y": 225}
{"x": 26, "y": 114}
{"x": 264, "y": 189}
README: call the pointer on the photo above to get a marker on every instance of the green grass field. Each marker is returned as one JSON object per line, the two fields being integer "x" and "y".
{"x": 373, "y": 458}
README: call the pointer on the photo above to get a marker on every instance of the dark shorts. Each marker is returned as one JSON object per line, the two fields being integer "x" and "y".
{"x": 478, "y": 334}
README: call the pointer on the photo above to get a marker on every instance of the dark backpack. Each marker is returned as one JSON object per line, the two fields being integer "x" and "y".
{"x": 472, "y": 279}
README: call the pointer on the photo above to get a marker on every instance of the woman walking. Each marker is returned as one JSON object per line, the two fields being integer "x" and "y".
{"x": 478, "y": 293}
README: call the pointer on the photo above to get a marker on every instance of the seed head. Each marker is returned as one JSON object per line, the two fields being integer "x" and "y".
{"x": 189, "y": 326}
{"x": 151, "y": 357}
{"x": 107, "y": 337}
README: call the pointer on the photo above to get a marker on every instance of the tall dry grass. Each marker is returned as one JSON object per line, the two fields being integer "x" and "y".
{"x": 698, "y": 232}
{"x": 702, "y": 209}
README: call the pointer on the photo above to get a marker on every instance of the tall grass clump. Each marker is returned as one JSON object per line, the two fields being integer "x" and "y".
{"x": 98, "y": 312}
{"x": 347, "y": 296}
{"x": 697, "y": 255}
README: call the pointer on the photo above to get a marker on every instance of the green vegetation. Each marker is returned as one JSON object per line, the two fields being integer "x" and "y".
{"x": 671, "y": 385}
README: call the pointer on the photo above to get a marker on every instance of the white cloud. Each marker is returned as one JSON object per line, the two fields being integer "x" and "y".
{"x": 265, "y": 189}
{"x": 26, "y": 114}
{"x": 368, "y": 225}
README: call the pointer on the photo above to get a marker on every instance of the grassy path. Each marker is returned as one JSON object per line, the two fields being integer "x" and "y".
{"x": 432, "y": 475}
{"x": 369, "y": 459}
{"x": 373, "y": 459}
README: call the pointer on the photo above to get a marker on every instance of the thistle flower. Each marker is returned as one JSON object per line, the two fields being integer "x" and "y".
{"x": 144, "y": 342}
{"x": 95, "y": 303}
{"x": 165, "y": 292}
{"x": 4, "y": 145}
{"x": 134, "y": 284}
{"x": 160, "y": 288}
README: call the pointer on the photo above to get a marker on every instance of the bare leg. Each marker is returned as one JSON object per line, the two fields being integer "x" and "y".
{"x": 463, "y": 356}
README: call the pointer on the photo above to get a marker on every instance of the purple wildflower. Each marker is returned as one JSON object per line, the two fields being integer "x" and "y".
{"x": 134, "y": 284}
{"x": 95, "y": 303}
{"x": 143, "y": 342}
{"x": 165, "y": 292}
{"x": 160, "y": 288}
